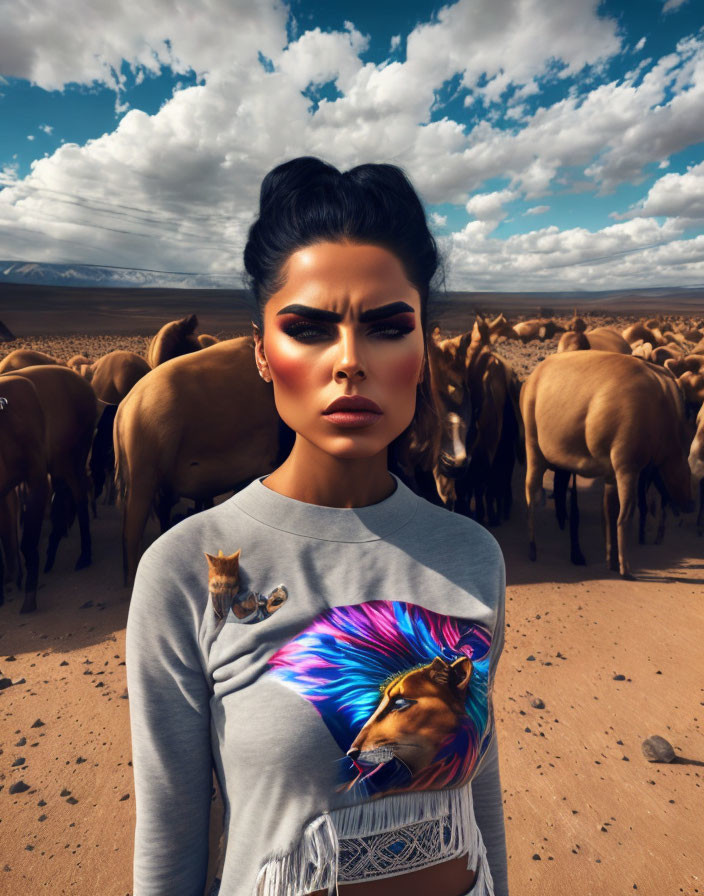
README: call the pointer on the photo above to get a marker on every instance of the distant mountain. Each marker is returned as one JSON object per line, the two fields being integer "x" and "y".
{"x": 30, "y": 272}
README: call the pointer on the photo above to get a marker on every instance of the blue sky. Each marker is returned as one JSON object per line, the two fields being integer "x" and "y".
{"x": 554, "y": 145}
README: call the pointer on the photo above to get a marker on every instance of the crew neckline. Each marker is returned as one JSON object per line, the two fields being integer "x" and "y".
{"x": 368, "y": 523}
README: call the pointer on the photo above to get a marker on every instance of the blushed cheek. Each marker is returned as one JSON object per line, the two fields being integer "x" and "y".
{"x": 404, "y": 371}
{"x": 288, "y": 368}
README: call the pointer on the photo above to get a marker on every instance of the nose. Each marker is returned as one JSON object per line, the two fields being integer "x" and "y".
{"x": 349, "y": 363}
{"x": 353, "y": 753}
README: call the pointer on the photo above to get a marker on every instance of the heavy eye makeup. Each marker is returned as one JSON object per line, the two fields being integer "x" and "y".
{"x": 395, "y": 327}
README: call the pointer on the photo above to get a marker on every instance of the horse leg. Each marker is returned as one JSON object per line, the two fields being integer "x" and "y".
{"x": 81, "y": 497}
{"x": 610, "y": 516}
{"x": 627, "y": 485}
{"x": 9, "y": 512}
{"x": 561, "y": 480}
{"x": 135, "y": 513}
{"x": 576, "y": 555}
{"x": 643, "y": 483}
{"x": 34, "y": 508}
{"x": 164, "y": 505}
{"x": 535, "y": 470}
{"x": 61, "y": 513}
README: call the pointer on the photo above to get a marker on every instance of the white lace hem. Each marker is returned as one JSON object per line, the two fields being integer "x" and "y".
{"x": 315, "y": 863}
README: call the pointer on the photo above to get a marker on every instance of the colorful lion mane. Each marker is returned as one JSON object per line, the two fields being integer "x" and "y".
{"x": 343, "y": 660}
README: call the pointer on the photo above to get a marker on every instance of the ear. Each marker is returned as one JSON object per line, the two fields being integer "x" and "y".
{"x": 439, "y": 670}
{"x": 259, "y": 356}
{"x": 461, "y": 673}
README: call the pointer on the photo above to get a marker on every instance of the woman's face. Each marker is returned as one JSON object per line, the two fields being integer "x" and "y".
{"x": 347, "y": 322}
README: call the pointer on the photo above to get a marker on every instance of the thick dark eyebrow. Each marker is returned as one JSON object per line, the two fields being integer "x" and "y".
{"x": 379, "y": 313}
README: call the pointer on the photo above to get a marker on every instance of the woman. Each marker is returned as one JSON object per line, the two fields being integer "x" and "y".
{"x": 325, "y": 638}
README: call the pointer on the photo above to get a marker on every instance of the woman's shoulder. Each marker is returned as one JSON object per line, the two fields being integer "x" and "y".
{"x": 456, "y": 530}
{"x": 179, "y": 553}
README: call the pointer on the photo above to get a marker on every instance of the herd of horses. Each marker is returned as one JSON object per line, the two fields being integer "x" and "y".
{"x": 625, "y": 407}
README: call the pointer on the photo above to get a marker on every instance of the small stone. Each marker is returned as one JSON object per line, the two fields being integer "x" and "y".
{"x": 536, "y": 857}
{"x": 5, "y": 683}
{"x": 657, "y": 673}
{"x": 37, "y": 724}
{"x": 125, "y": 796}
{"x": 531, "y": 657}
{"x": 19, "y": 787}
{"x": 537, "y": 703}
{"x": 657, "y": 749}
{"x": 42, "y": 818}
{"x": 72, "y": 800}
{"x": 88, "y": 603}
{"x": 19, "y": 761}
{"x": 65, "y": 792}
{"x": 619, "y": 678}
{"x": 80, "y": 760}
{"x": 63, "y": 663}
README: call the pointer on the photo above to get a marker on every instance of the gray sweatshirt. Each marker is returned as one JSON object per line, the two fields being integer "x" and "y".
{"x": 334, "y": 668}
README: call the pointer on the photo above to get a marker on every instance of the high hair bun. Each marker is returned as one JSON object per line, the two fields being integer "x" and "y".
{"x": 282, "y": 183}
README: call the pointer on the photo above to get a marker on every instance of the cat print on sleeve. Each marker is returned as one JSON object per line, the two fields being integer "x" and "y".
{"x": 226, "y": 595}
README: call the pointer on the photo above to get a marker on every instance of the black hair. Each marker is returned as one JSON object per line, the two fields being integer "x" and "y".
{"x": 306, "y": 201}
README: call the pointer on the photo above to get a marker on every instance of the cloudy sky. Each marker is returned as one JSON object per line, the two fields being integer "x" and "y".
{"x": 556, "y": 144}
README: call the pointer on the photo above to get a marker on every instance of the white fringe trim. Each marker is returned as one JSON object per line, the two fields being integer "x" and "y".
{"x": 313, "y": 864}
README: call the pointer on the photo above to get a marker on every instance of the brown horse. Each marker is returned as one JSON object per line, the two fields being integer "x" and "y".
{"x": 23, "y": 461}
{"x": 623, "y": 415}
{"x": 70, "y": 411}
{"x": 173, "y": 340}
{"x": 197, "y": 427}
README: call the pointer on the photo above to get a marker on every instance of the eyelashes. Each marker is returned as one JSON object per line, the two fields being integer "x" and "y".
{"x": 308, "y": 332}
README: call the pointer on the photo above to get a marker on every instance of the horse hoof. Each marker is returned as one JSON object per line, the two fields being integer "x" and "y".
{"x": 532, "y": 553}
{"x": 29, "y": 606}
{"x": 579, "y": 560}
{"x": 628, "y": 576}
{"x": 82, "y": 562}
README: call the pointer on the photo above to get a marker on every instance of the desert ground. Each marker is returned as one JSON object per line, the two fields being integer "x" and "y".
{"x": 613, "y": 661}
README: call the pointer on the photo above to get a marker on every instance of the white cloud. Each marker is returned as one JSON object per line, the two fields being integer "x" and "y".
{"x": 672, "y": 5}
{"x": 537, "y": 210}
{"x": 674, "y": 196}
{"x": 47, "y": 128}
{"x": 631, "y": 253}
{"x": 395, "y": 42}
{"x": 489, "y": 207}
{"x": 178, "y": 189}
{"x": 39, "y": 41}
{"x": 639, "y": 46}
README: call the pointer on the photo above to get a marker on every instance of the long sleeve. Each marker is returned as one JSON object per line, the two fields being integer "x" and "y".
{"x": 170, "y": 727}
{"x": 489, "y": 812}
{"x": 486, "y": 785}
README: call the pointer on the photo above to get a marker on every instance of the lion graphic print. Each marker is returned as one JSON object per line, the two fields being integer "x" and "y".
{"x": 402, "y": 689}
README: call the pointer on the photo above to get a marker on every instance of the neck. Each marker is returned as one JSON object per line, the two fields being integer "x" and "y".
{"x": 316, "y": 477}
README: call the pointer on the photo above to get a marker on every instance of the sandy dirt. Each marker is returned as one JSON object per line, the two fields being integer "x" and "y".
{"x": 585, "y": 812}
